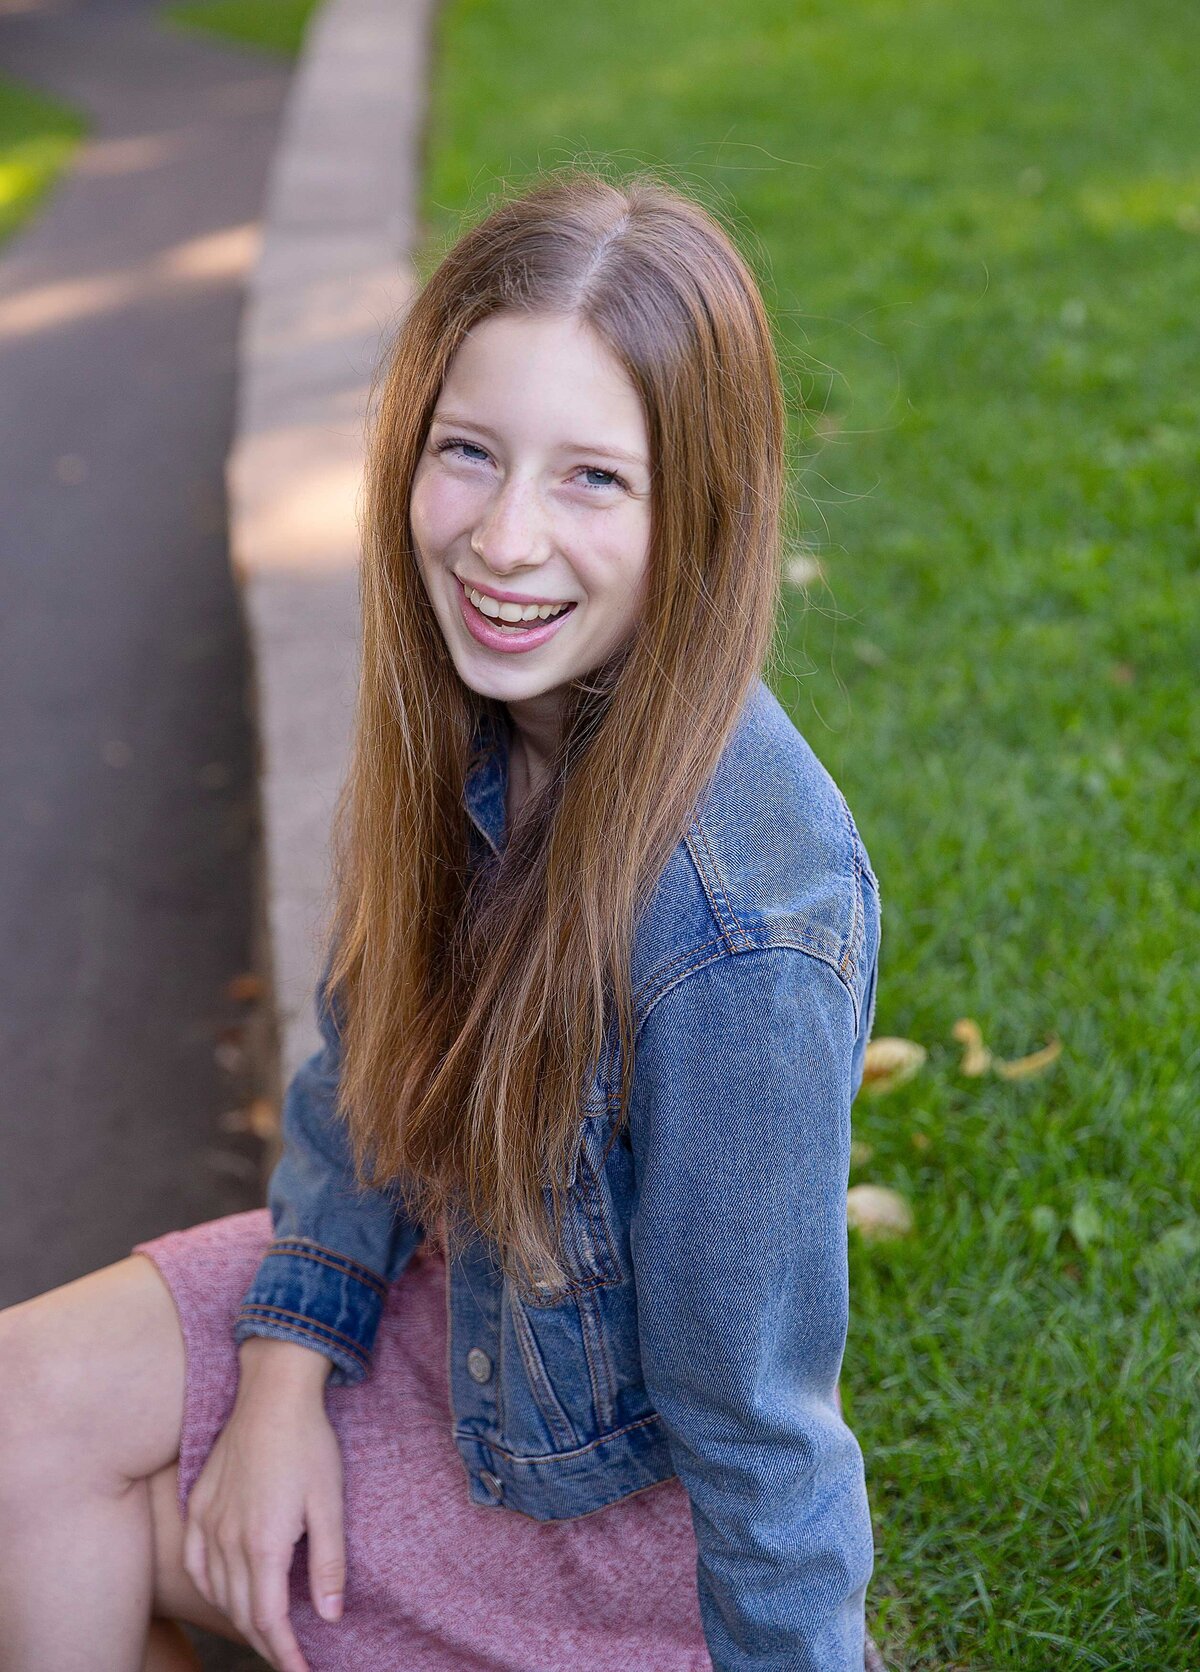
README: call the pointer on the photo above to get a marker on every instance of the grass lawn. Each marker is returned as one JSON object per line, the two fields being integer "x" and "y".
{"x": 38, "y": 136}
{"x": 978, "y": 225}
{"x": 273, "y": 25}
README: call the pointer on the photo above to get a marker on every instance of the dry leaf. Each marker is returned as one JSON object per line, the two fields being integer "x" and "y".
{"x": 802, "y": 570}
{"x": 976, "y": 1058}
{"x": 889, "y": 1062}
{"x": 1019, "y": 1068}
{"x": 920, "y": 1141}
{"x": 878, "y": 1213}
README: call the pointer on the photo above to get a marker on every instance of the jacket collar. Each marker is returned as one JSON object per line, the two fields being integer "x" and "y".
{"x": 486, "y": 787}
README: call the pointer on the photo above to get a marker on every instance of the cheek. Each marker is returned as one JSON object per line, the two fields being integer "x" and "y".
{"x": 620, "y": 571}
{"x": 439, "y": 510}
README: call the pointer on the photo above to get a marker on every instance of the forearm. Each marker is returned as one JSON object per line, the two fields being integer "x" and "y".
{"x": 282, "y": 1366}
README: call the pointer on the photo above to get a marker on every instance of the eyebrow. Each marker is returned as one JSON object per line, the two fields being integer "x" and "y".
{"x": 566, "y": 446}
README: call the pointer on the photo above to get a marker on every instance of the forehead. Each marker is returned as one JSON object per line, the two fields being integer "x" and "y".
{"x": 544, "y": 373}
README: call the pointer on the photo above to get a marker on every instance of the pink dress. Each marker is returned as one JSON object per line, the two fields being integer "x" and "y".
{"x": 436, "y": 1583}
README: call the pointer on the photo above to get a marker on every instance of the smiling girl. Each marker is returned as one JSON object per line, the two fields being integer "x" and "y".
{"x": 531, "y": 1360}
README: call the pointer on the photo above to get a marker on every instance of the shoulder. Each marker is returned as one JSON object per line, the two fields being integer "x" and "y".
{"x": 772, "y": 859}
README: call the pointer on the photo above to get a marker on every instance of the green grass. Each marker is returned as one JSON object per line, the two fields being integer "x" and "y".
{"x": 978, "y": 227}
{"x": 272, "y": 25}
{"x": 38, "y": 136}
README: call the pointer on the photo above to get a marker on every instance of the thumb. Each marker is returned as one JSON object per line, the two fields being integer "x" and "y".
{"x": 326, "y": 1557}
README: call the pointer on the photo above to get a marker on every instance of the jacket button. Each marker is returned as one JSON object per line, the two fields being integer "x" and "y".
{"x": 493, "y": 1483}
{"x": 479, "y": 1364}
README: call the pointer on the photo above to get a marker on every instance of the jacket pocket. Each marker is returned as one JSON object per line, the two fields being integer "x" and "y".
{"x": 589, "y": 1250}
{"x": 560, "y": 1432}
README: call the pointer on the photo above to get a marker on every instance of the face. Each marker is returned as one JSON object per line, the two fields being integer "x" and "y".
{"x": 533, "y": 488}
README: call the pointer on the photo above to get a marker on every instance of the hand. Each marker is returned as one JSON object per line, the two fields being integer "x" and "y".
{"x": 274, "y": 1471}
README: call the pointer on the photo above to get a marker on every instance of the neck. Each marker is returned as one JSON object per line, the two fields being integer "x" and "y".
{"x": 533, "y": 740}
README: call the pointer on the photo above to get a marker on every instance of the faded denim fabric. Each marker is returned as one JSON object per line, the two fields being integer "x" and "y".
{"x": 702, "y": 1326}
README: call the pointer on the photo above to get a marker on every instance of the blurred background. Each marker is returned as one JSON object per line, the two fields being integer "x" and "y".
{"x": 977, "y": 226}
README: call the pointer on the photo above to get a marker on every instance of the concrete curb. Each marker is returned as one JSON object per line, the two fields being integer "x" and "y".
{"x": 332, "y": 275}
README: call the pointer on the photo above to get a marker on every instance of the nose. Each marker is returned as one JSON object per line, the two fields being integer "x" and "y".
{"x": 513, "y": 533}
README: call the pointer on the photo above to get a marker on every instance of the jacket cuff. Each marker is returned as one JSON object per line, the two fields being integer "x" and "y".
{"x": 310, "y": 1294}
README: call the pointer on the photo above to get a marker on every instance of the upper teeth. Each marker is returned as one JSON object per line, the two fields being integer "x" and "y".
{"x": 512, "y": 612}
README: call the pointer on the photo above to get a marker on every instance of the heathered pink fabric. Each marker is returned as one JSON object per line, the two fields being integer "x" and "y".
{"x": 436, "y": 1583}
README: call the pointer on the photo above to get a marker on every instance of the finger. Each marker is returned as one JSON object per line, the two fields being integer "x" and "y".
{"x": 241, "y": 1612}
{"x": 269, "y": 1598}
{"x": 195, "y": 1559}
{"x": 219, "y": 1577}
{"x": 326, "y": 1554}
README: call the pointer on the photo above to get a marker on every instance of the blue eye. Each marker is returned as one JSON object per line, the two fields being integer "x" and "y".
{"x": 611, "y": 478}
{"x": 445, "y": 446}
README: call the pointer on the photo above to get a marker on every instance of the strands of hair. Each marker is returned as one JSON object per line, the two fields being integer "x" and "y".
{"x": 473, "y": 1012}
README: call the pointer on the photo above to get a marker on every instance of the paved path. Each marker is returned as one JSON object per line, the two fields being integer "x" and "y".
{"x": 128, "y": 801}
{"x": 128, "y": 832}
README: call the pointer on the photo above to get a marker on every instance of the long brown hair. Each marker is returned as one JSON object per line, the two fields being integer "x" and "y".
{"x": 473, "y": 1006}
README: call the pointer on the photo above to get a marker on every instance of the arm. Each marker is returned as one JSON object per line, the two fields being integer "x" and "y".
{"x": 324, "y": 1278}
{"x": 740, "y": 1124}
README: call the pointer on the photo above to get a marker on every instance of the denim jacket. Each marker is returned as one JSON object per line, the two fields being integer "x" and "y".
{"x": 701, "y": 1330}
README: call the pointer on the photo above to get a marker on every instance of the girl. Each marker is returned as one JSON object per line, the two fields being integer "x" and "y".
{"x": 535, "y": 1350}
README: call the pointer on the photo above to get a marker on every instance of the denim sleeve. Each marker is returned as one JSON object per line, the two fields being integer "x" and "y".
{"x": 740, "y": 1126}
{"x": 323, "y": 1280}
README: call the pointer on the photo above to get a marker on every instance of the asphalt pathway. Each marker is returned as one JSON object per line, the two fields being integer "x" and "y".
{"x": 129, "y": 831}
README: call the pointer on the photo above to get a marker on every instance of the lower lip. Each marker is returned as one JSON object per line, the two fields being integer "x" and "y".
{"x": 527, "y": 638}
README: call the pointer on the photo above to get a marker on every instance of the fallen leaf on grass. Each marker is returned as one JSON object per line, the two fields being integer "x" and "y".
{"x": 860, "y": 1152}
{"x": 976, "y": 1058}
{"x": 802, "y": 569}
{"x": 1087, "y": 1224}
{"x": 1172, "y": 1256}
{"x": 889, "y": 1062}
{"x": 878, "y": 1213}
{"x": 1019, "y": 1068}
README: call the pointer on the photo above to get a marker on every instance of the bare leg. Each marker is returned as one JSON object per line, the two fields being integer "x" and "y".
{"x": 91, "y": 1401}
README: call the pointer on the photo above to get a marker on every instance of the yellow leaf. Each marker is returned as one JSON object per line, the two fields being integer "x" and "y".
{"x": 860, "y": 1153}
{"x": 976, "y": 1058}
{"x": 878, "y": 1213}
{"x": 803, "y": 569}
{"x": 889, "y": 1062}
{"x": 1019, "y": 1068}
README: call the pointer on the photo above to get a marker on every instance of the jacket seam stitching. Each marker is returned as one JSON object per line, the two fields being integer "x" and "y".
{"x": 849, "y": 958}
{"x": 323, "y": 1256}
{"x": 255, "y": 1311}
{"x": 772, "y": 946}
{"x": 723, "y": 911}
{"x": 594, "y": 1208}
{"x": 560, "y": 1456}
{"x": 664, "y": 971}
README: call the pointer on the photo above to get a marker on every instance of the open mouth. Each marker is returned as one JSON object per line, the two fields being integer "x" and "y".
{"x": 499, "y": 625}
